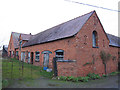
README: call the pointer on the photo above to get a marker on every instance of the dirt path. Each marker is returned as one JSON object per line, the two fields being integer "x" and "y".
{"x": 108, "y": 82}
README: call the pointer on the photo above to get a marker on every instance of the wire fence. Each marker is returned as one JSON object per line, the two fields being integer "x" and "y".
{"x": 12, "y": 69}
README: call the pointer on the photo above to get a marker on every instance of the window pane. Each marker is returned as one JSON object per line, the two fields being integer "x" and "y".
{"x": 37, "y": 56}
{"x": 94, "y": 38}
{"x": 59, "y": 54}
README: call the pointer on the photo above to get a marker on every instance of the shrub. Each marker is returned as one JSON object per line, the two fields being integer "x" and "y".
{"x": 97, "y": 76}
{"x": 63, "y": 78}
{"x": 83, "y": 79}
{"x": 75, "y": 79}
{"x": 105, "y": 57}
{"x": 69, "y": 78}
{"x": 93, "y": 76}
{"x": 104, "y": 75}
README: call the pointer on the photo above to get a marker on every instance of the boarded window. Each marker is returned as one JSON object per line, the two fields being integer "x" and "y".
{"x": 59, "y": 54}
{"x": 37, "y": 56}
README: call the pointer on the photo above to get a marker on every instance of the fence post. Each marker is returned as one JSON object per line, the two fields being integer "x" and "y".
{"x": 31, "y": 70}
{"x": 22, "y": 68}
{"x": 11, "y": 69}
{"x": 19, "y": 69}
{"x": 55, "y": 66}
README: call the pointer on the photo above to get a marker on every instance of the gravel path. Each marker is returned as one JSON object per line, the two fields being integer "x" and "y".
{"x": 108, "y": 82}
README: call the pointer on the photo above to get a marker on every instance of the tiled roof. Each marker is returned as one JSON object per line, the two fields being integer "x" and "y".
{"x": 114, "y": 40}
{"x": 26, "y": 36}
{"x": 63, "y": 30}
{"x": 16, "y": 38}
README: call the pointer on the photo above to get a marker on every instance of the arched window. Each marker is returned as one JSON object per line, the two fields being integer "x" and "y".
{"x": 46, "y": 52}
{"x": 59, "y": 54}
{"x": 95, "y": 39}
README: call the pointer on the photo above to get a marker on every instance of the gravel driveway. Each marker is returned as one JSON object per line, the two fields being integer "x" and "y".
{"x": 108, "y": 82}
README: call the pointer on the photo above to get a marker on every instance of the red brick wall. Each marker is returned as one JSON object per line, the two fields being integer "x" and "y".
{"x": 11, "y": 46}
{"x": 67, "y": 69}
{"x": 85, "y": 52}
{"x": 68, "y": 47}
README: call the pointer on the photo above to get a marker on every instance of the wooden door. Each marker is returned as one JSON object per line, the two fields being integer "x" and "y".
{"x": 46, "y": 60}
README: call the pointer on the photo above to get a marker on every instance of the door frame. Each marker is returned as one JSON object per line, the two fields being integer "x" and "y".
{"x": 47, "y": 52}
{"x": 46, "y": 55}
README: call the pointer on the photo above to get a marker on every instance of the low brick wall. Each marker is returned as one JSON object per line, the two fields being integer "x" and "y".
{"x": 67, "y": 69}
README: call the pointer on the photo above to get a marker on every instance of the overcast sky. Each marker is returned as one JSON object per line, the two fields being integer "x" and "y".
{"x": 34, "y": 16}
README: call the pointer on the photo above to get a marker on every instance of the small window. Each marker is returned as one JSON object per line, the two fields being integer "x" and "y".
{"x": 95, "y": 39}
{"x": 37, "y": 56}
{"x": 59, "y": 54}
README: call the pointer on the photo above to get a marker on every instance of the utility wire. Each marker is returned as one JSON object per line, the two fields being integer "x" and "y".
{"x": 92, "y": 5}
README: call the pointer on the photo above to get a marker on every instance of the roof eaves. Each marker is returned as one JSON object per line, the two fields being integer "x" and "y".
{"x": 47, "y": 41}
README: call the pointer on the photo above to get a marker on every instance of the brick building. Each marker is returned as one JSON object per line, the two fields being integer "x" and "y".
{"x": 80, "y": 39}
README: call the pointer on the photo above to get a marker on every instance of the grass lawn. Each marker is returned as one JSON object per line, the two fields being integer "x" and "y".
{"x": 13, "y": 69}
{"x": 0, "y": 72}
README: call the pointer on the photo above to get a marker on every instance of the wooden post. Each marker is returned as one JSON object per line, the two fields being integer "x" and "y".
{"x": 55, "y": 66}
{"x": 22, "y": 68}
{"x": 19, "y": 69}
{"x": 31, "y": 69}
{"x": 11, "y": 69}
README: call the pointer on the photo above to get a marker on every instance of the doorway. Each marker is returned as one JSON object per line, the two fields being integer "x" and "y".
{"x": 46, "y": 59}
{"x": 10, "y": 53}
{"x": 32, "y": 57}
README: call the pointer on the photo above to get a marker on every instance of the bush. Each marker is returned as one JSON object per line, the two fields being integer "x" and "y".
{"x": 75, "y": 79}
{"x": 63, "y": 78}
{"x": 104, "y": 75}
{"x": 93, "y": 76}
{"x": 97, "y": 76}
{"x": 69, "y": 78}
{"x": 83, "y": 79}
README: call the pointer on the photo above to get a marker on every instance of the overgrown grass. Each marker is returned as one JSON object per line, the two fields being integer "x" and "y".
{"x": 12, "y": 70}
